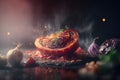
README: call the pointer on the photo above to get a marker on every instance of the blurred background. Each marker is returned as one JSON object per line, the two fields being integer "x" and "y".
{"x": 25, "y": 20}
{"x": 22, "y": 21}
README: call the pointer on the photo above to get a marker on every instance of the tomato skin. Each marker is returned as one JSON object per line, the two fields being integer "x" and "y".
{"x": 78, "y": 50}
{"x": 59, "y": 51}
{"x": 30, "y": 62}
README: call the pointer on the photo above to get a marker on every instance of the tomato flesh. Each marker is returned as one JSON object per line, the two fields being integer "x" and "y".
{"x": 70, "y": 46}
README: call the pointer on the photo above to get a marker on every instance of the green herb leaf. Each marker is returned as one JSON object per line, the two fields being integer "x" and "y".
{"x": 56, "y": 40}
{"x": 110, "y": 57}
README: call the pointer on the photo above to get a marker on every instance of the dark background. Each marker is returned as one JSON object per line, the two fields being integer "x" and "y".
{"x": 83, "y": 15}
{"x": 78, "y": 10}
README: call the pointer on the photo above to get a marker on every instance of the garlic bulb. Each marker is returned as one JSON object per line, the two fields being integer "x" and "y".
{"x": 3, "y": 60}
{"x": 15, "y": 56}
{"x": 93, "y": 49}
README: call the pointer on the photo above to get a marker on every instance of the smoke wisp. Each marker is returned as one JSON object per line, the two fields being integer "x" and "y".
{"x": 23, "y": 21}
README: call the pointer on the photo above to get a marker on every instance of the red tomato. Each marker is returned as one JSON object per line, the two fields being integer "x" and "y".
{"x": 31, "y": 62}
{"x": 78, "y": 51}
{"x": 69, "y": 48}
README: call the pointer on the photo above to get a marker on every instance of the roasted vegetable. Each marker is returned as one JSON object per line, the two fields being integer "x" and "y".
{"x": 64, "y": 43}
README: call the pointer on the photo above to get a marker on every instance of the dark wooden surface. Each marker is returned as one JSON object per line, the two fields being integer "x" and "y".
{"x": 38, "y": 73}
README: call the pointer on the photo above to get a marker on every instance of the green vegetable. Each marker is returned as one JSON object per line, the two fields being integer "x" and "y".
{"x": 108, "y": 61}
{"x": 110, "y": 57}
{"x": 56, "y": 40}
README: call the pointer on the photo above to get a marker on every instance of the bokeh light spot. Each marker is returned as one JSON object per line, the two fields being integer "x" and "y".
{"x": 103, "y": 19}
{"x": 8, "y": 33}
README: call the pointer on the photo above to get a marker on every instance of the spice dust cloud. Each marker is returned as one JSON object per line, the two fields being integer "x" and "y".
{"x": 25, "y": 20}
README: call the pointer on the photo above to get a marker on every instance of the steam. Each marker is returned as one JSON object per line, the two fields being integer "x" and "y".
{"x": 49, "y": 22}
{"x": 16, "y": 18}
{"x": 18, "y": 23}
{"x": 85, "y": 34}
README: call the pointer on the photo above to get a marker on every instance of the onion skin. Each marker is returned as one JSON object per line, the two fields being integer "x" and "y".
{"x": 14, "y": 57}
{"x": 104, "y": 48}
{"x": 59, "y": 51}
{"x": 93, "y": 49}
{"x": 109, "y": 44}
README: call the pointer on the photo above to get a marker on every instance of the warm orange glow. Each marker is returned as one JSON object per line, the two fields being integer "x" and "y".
{"x": 53, "y": 36}
{"x": 8, "y": 33}
{"x": 68, "y": 48}
{"x": 103, "y": 19}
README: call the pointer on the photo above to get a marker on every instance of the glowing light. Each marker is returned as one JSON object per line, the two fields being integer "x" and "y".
{"x": 45, "y": 26}
{"x": 8, "y": 33}
{"x": 103, "y": 19}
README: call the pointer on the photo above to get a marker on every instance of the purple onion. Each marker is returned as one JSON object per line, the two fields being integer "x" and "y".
{"x": 108, "y": 45}
{"x": 93, "y": 49}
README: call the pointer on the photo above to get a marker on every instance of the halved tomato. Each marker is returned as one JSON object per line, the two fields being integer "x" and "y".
{"x": 70, "y": 47}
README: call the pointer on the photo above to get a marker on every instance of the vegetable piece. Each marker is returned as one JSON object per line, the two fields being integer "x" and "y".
{"x": 30, "y": 62}
{"x": 79, "y": 50}
{"x": 93, "y": 49}
{"x": 71, "y": 44}
{"x": 108, "y": 45}
{"x": 14, "y": 56}
{"x": 110, "y": 57}
{"x": 54, "y": 44}
{"x": 81, "y": 53}
{"x": 109, "y": 61}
